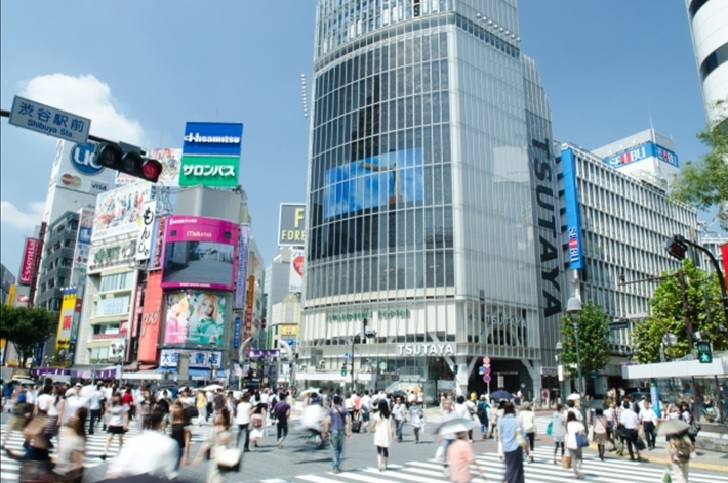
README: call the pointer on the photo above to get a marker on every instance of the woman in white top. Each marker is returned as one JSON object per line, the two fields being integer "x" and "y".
{"x": 68, "y": 460}
{"x": 384, "y": 429}
{"x": 527, "y": 420}
{"x": 242, "y": 419}
{"x": 118, "y": 423}
{"x": 558, "y": 429}
{"x": 50, "y": 403}
{"x": 572, "y": 428}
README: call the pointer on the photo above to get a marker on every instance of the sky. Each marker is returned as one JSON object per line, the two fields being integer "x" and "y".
{"x": 140, "y": 70}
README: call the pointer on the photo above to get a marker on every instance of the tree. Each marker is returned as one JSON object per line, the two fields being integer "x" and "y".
{"x": 705, "y": 185}
{"x": 703, "y": 295}
{"x": 592, "y": 323}
{"x": 25, "y": 327}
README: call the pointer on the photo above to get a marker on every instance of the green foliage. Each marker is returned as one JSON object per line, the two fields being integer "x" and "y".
{"x": 705, "y": 184}
{"x": 592, "y": 326}
{"x": 25, "y": 327}
{"x": 703, "y": 296}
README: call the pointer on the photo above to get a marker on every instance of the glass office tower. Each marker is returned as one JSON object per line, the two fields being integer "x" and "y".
{"x": 434, "y": 228}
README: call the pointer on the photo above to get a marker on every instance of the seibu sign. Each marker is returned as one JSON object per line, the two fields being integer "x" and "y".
{"x": 425, "y": 349}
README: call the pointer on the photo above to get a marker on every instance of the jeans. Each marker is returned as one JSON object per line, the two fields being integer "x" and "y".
{"x": 282, "y": 430}
{"x": 399, "y": 423}
{"x": 94, "y": 417}
{"x": 243, "y": 428}
{"x": 337, "y": 447}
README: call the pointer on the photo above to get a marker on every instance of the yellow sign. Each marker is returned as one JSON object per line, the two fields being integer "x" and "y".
{"x": 11, "y": 295}
{"x": 289, "y": 330}
{"x": 65, "y": 320}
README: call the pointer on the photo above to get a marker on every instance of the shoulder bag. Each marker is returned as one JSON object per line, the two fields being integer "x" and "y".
{"x": 582, "y": 441}
{"x": 227, "y": 458}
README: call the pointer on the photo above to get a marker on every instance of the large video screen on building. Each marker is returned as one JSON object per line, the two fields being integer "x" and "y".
{"x": 390, "y": 179}
{"x": 195, "y": 318}
{"x": 199, "y": 252}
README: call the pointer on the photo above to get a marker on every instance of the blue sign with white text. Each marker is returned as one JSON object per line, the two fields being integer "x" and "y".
{"x": 213, "y": 138}
{"x": 641, "y": 152}
{"x": 573, "y": 219}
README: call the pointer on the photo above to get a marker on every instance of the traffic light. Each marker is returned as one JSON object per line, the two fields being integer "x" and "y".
{"x": 127, "y": 159}
{"x": 455, "y": 369}
{"x": 677, "y": 247}
{"x": 343, "y": 370}
{"x": 705, "y": 355}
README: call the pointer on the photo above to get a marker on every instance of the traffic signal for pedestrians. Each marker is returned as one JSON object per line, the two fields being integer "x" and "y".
{"x": 705, "y": 355}
{"x": 677, "y": 247}
{"x": 128, "y": 160}
{"x": 343, "y": 371}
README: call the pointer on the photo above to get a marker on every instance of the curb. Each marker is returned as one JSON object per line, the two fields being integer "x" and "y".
{"x": 664, "y": 460}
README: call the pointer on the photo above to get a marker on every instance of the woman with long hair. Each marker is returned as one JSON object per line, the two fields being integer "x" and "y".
{"x": 204, "y": 323}
{"x": 50, "y": 405}
{"x": 508, "y": 430}
{"x": 181, "y": 433}
{"x": 68, "y": 460}
{"x": 219, "y": 436}
{"x": 258, "y": 418}
{"x": 600, "y": 428}
{"x": 118, "y": 423}
{"x": 574, "y": 427}
{"x": 558, "y": 429}
{"x": 384, "y": 430}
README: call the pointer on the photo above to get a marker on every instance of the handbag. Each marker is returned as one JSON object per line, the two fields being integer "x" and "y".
{"x": 521, "y": 440}
{"x": 640, "y": 444}
{"x": 228, "y": 459}
{"x": 581, "y": 440}
{"x": 566, "y": 461}
{"x": 550, "y": 428}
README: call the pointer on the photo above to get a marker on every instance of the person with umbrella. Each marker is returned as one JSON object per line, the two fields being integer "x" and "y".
{"x": 680, "y": 448}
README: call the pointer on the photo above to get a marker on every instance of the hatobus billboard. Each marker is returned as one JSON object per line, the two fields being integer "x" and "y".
{"x": 199, "y": 252}
{"x": 195, "y": 318}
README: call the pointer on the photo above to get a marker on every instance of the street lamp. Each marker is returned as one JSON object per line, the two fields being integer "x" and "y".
{"x": 573, "y": 307}
{"x": 560, "y": 360}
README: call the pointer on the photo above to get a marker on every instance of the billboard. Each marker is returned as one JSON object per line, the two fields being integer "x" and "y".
{"x": 75, "y": 168}
{"x": 120, "y": 210}
{"x": 146, "y": 234}
{"x": 114, "y": 253}
{"x": 83, "y": 247}
{"x": 195, "y": 318}
{"x": 295, "y": 272}
{"x": 198, "y": 358}
{"x": 199, "y": 252}
{"x": 292, "y": 225}
{"x": 573, "y": 218}
{"x": 242, "y": 268}
{"x": 149, "y": 326}
{"x": 213, "y": 171}
{"x": 170, "y": 159}
{"x": 390, "y": 179}
{"x": 65, "y": 320}
{"x": 30, "y": 259}
{"x": 642, "y": 152}
{"x": 213, "y": 138}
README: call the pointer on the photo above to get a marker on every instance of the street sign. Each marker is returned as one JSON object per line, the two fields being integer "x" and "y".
{"x": 347, "y": 355}
{"x": 486, "y": 370}
{"x": 486, "y": 379}
{"x": 49, "y": 120}
{"x": 480, "y": 370}
{"x": 486, "y": 360}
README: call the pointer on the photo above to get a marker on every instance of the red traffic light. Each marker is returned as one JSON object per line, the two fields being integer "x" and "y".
{"x": 152, "y": 170}
{"x": 128, "y": 160}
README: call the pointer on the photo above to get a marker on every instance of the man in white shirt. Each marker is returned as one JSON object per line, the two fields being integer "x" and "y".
{"x": 648, "y": 419}
{"x": 629, "y": 420}
{"x": 96, "y": 404}
{"x": 151, "y": 452}
{"x": 73, "y": 403}
{"x": 366, "y": 407}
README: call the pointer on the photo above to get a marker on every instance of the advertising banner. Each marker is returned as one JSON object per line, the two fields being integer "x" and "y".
{"x": 83, "y": 247}
{"x": 30, "y": 257}
{"x": 170, "y": 159}
{"x": 195, "y": 318}
{"x": 146, "y": 234}
{"x": 75, "y": 168}
{"x": 242, "y": 268}
{"x": 149, "y": 327}
{"x": 199, "y": 252}
{"x": 573, "y": 218}
{"x": 292, "y": 225}
{"x": 642, "y": 152}
{"x": 213, "y": 171}
{"x": 236, "y": 333}
{"x": 295, "y": 272}
{"x": 120, "y": 210}
{"x": 22, "y": 296}
{"x": 65, "y": 320}
{"x": 155, "y": 257}
{"x": 120, "y": 252}
{"x": 213, "y": 138}
{"x": 249, "y": 306}
{"x": 201, "y": 359}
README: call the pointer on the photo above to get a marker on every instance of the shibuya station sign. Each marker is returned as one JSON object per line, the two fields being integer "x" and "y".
{"x": 425, "y": 349}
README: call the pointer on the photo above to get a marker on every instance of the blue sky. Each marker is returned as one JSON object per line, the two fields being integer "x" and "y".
{"x": 142, "y": 69}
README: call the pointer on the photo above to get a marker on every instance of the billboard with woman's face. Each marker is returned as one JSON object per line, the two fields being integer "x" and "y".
{"x": 195, "y": 318}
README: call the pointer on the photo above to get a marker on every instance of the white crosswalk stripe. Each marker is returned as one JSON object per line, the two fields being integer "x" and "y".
{"x": 542, "y": 471}
{"x": 95, "y": 444}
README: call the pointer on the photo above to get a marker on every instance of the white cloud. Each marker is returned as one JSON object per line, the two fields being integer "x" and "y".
{"x": 88, "y": 97}
{"x": 11, "y": 215}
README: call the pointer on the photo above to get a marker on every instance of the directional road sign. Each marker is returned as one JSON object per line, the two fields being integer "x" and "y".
{"x": 347, "y": 355}
{"x": 49, "y": 120}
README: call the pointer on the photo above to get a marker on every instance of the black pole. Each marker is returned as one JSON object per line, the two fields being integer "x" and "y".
{"x": 718, "y": 271}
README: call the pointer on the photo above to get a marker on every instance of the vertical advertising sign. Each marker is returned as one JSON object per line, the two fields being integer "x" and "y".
{"x": 65, "y": 320}
{"x": 149, "y": 328}
{"x": 249, "y": 306}
{"x": 292, "y": 225}
{"x": 573, "y": 218}
{"x": 146, "y": 234}
{"x": 30, "y": 255}
{"x": 83, "y": 247}
{"x": 236, "y": 333}
{"x": 155, "y": 257}
{"x": 242, "y": 270}
{"x": 295, "y": 272}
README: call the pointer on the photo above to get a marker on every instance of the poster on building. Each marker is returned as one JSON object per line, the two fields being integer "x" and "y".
{"x": 30, "y": 258}
{"x": 292, "y": 225}
{"x": 295, "y": 272}
{"x": 199, "y": 252}
{"x": 155, "y": 257}
{"x": 145, "y": 237}
{"x": 120, "y": 210}
{"x": 149, "y": 326}
{"x": 170, "y": 159}
{"x": 83, "y": 247}
{"x": 242, "y": 267}
{"x": 65, "y": 320}
{"x": 115, "y": 252}
{"x": 195, "y": 318}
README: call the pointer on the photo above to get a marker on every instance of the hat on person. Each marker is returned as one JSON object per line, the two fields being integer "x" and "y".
{"x": 78, "y": 384}
{"x": 482, "y": 396}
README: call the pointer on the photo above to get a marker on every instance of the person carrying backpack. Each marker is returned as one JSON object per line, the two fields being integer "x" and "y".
{"x": 482, "y": 410}
{"x": 680, "y": 449}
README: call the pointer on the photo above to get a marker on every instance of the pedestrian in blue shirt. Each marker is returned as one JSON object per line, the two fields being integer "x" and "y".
{"x": 338, "y": 426}
{"x": 508, "y": 428}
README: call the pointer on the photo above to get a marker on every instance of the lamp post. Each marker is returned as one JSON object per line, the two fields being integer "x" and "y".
{"x": 560, "y": 360}
{"x": 573, "y": 307}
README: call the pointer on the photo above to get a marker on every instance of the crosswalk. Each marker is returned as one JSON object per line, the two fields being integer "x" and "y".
{"x": 542, "y": 471}
{"x": 95, "y": 444}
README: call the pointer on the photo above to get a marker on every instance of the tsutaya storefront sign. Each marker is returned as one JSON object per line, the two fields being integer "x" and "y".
{"x": 381, "y": 314}
{"x": 425, "y": 349}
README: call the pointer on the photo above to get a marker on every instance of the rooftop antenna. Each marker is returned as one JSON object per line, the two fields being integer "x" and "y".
{"x": 304, "y": 95}
{"x": 652, "y": 127}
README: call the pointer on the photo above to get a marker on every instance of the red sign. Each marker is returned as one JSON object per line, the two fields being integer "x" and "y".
{"x": 149, "y": 328}
{"x": 27, "y": 268}
{"x": 298, "y": 265}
